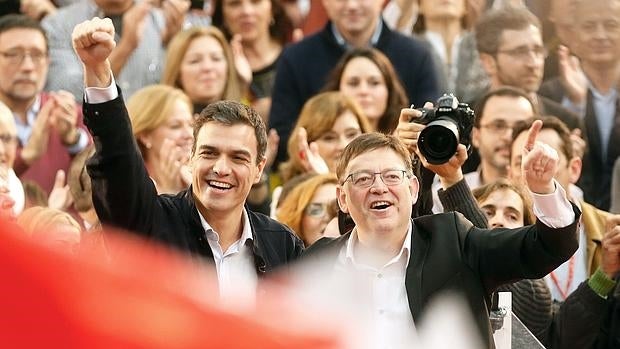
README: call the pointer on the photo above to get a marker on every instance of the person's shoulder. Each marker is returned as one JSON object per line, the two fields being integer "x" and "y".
{"x": 327, "y": 244}
{"x": 263, "y": 224}
{"x": 394, "y": 39}
{"x": 307, "y": 47}
{"x": 551, "y": 107}
{"x": 430, "y": 223}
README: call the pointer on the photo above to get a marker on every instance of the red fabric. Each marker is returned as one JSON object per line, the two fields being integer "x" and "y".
{"x": 139, "y": 297}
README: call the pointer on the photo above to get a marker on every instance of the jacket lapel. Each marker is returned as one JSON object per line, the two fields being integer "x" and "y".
{"x": 413, "y": 277}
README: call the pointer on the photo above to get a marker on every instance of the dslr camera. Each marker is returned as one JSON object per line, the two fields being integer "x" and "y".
{"x": 447, "y": 125}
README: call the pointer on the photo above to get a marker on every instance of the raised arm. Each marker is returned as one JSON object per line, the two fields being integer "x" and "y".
{"x": 123, "y": 194}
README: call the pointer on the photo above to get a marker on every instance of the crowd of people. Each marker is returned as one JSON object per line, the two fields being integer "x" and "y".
{"x": 241, "y": 136}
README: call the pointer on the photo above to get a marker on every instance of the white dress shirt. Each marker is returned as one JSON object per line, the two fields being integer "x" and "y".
{"x": 388, "y": 310}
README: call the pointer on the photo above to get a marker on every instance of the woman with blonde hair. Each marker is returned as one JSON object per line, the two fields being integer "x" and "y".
{"x": 327, "y": 123}
{"x": 202, "y": 63}
{"x": 309, "y": 207}
{"x": 161, "y": 118}
{"x": 51, "y": 227}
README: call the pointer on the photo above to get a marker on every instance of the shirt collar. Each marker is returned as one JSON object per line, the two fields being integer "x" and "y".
{"x": 374, "y": 39}
{"x": 405, "y": 249}
{"x": 31, "y": 114}
{"x": 246, "y": 233}
{"x": 610, "y": 96}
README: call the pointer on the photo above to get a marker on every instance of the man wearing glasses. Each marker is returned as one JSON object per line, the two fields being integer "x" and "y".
{"x": 406, "y": 262}
{"x": 49, "y": 125}
{"x": 510, "y": 44}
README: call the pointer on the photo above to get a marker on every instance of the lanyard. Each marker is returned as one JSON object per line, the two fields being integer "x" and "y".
{"x": 569, "y": 279}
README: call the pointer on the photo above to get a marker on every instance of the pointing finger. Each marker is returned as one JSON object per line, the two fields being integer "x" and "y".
{"x": 532, "y": 134}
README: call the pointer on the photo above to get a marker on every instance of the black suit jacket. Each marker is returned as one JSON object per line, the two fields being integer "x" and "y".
{"x": 450, "y": 254}
{"x": 124, "y": 196}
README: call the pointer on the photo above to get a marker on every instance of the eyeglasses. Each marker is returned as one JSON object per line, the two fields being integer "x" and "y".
{"x": 498, "y": 126}
{"x": 16, "y": 57}
{"x": 321, "y": 209}
{"x": 365, "y": 179}
{"x": 8, "y": 139}
{"x": 524, "y": 52}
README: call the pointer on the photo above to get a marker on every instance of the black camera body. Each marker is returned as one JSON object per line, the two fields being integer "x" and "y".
{"x": 447, "y": 125}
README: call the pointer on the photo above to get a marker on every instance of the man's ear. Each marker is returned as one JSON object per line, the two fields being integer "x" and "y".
{"x": 261, "y": 167}
{"x": 342, "y": 199}
{"x": 489, "y": 64}
{"x": 414, "y": 187}
{"x": 574, "y": 167}
{"x": 475, "y": 137}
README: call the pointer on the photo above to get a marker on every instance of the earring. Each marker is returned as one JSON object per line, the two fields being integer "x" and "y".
{"x": 148, "y": 145}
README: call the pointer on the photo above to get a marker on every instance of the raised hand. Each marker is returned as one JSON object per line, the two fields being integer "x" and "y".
{"x": 610, "y": 262}
{"x": 244, "y": 71}
{"x": 37, "y": 9}
{"x": 169, "y": 163}
{"x": 540, "y": 162}
{"x": 134, "y": 22}
{"x": 93, "y": 42}
{"x": 174, "y": 14}
{"x": 309, "y": 155}
{"x": 60, "y": 197}
{"x": 572, "y": 77}
{"x": 64, "y": 117}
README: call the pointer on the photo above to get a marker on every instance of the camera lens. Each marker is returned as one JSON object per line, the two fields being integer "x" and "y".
{"x": 438, "y": 141}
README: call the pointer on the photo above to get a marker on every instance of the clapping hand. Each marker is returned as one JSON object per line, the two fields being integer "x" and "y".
{"x": 309, "y": 155}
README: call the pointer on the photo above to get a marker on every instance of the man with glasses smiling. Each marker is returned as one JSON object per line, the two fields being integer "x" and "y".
{"x": 512, "y": 52}
{"x": 49, "y": 126}
{"x": 406, "y": 262}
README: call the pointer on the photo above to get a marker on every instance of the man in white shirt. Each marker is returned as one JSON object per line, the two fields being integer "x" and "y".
{"x": 208, "y": 219}
{"x": 407, "y": 262}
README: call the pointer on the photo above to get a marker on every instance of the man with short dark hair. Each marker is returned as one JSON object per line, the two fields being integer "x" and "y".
{"x": 208, "y": 219}
{"x": 511, "y": 48}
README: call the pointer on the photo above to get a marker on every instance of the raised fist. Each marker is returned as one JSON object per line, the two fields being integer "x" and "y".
{"x": 93, "y": 41}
